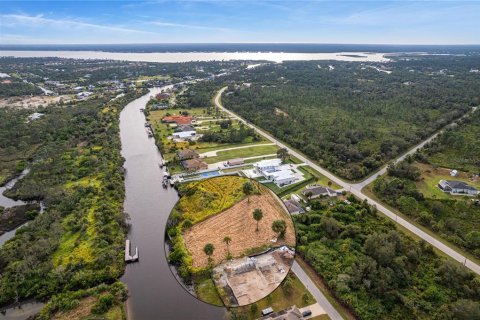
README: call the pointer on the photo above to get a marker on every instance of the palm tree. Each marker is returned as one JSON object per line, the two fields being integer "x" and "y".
{"x": 279, "y": 226}
{"x": 227, "y": 241}
{"x": 248, "y": 189}
{"x": 257, "y": 215}
{"x": 208, "y": 249}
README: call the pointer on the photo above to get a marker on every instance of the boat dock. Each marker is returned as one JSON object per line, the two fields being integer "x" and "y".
{"x": 128, "y": 257}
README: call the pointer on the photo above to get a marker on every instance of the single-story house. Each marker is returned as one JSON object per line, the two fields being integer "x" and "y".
{"x": 267, "y": 166}
{"x": 235, "y": 162}
{"x": 293, "y": 206}
{"x": 317, "y": 191}
{"x": 184, "y": 127}
{"x": 282, "y": 177}
{"x": 84, "y": 94}
{"x": 178, "y": 119}
{"x": 194, "y": 165}
{"x": 184, "y": 134}
{"x": 186, "y": 154}
{"x": 162, "y": 96}
{"x": 457, "y": 187}
{"x": 160, "y": 106}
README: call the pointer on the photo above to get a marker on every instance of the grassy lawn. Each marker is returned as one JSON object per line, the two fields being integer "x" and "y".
{"x": 242, "y": 153}
{"x": 321, "y": 179}
{"x": 279, "y": 299}
{"x": 431, "y": 176}
{"x": 207, "y": 292}
{"x": 212, "y": 146}
{"x": 258, "y": 159}
{"x": 320, "y": 317}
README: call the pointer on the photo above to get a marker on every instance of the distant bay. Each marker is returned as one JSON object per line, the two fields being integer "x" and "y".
{"x": 200, "y": 56}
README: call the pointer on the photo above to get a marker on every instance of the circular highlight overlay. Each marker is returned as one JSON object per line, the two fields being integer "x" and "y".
{"x": 232, "y": 241}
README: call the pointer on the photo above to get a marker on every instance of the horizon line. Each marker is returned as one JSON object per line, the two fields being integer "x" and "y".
{"x": 204, "y": 43}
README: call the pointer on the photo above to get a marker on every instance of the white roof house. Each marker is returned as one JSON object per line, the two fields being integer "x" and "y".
{"x": 269, "y": 165}
{"x": 282, "y": 177}
{"x": 184, "y": 134}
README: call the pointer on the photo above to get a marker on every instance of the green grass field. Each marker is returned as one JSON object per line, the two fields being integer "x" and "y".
{"x": 431, "y": 176}
{"x": 206, "y": 291}
{"x": 321, "y": 179}
{"x": 242, "y": 153}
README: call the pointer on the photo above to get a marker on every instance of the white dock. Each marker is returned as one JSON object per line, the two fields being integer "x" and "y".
{"x": 128, "y": 257}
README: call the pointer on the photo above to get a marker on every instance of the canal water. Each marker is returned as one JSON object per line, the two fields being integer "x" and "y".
{"x": 154, "y": 292}
{"x": 27, "y": 308}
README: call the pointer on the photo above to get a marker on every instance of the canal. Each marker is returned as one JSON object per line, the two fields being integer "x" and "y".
{"x": 153, "y": 291}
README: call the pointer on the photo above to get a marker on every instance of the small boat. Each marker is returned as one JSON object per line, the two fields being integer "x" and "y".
{"x": 164, "y": 183}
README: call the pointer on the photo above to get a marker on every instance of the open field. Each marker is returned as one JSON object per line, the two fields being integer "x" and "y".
{"x": 209, "y": 197}
{"x": 431, "y": 176}
{"x": 206, "y": 291}
{"x": 238, "y": 224}
{"x": 242, "y": 153}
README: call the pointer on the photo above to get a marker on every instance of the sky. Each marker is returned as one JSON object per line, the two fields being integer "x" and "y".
{"x": 222, "y": 21}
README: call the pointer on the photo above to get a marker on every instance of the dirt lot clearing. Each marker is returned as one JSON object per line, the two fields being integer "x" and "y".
{"x": 237, "y": 223}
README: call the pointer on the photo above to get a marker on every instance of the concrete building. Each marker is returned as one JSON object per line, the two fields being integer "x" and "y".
{"x": 282, "y": 177}
{"x": 267, "y": 166}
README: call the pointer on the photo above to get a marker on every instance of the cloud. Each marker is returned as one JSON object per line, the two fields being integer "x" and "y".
{"x": 14, "y": 20}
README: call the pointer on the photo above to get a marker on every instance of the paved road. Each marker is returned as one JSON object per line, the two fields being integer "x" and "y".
{"x": 357, "y": 192}
{"x": 316, "y": 293}
{"x": 383, "y": 170}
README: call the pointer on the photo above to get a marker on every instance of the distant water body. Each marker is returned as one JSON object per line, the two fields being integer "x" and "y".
{"x": 248, "y": 47}
{"x": 200, "y": 56}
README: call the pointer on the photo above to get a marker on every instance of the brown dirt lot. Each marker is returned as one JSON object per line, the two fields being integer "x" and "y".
{"x": 237, "y": 222}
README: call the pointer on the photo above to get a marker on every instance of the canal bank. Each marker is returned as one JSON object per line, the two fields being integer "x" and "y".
{"x": 153, "y": 291}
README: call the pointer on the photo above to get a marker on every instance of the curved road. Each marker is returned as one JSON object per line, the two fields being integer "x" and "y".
{"x": 356, "y": 189}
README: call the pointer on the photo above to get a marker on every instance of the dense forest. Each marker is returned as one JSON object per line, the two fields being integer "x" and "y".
{"x": 457, "y": 148}
{"x": 76, "y": 170}
{"x": 89, "y": 71}
{"x": 454, "y": 218}
{"x": 353, "y": 117}
{"x": 379, "y": 272}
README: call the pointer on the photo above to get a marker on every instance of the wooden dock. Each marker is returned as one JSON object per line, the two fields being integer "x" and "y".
{"x": 128, "y": 257}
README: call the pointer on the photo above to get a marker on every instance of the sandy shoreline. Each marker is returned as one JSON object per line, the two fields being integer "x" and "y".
{"x": 173, "y": 57}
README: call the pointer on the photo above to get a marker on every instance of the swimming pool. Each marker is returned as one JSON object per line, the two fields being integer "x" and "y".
{"x": 210, "y": 174}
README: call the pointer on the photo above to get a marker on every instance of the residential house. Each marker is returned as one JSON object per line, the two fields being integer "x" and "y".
{"x": 185, "y": 135}
{"x": 316, "y": 191}
{"x": 457, "y": 187}
{"x": 282, "y": 177}
{"x": 267, "y": 166}
{"x": 186, "y": 154}
{"x": 179, "y": 120}
{"x": 235, "y": 162}
{"x": 184, "y": 127}
{"x": 293, "y": 206}
{"x": 160, "y": 106}
{"x": 194, "y": 164}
